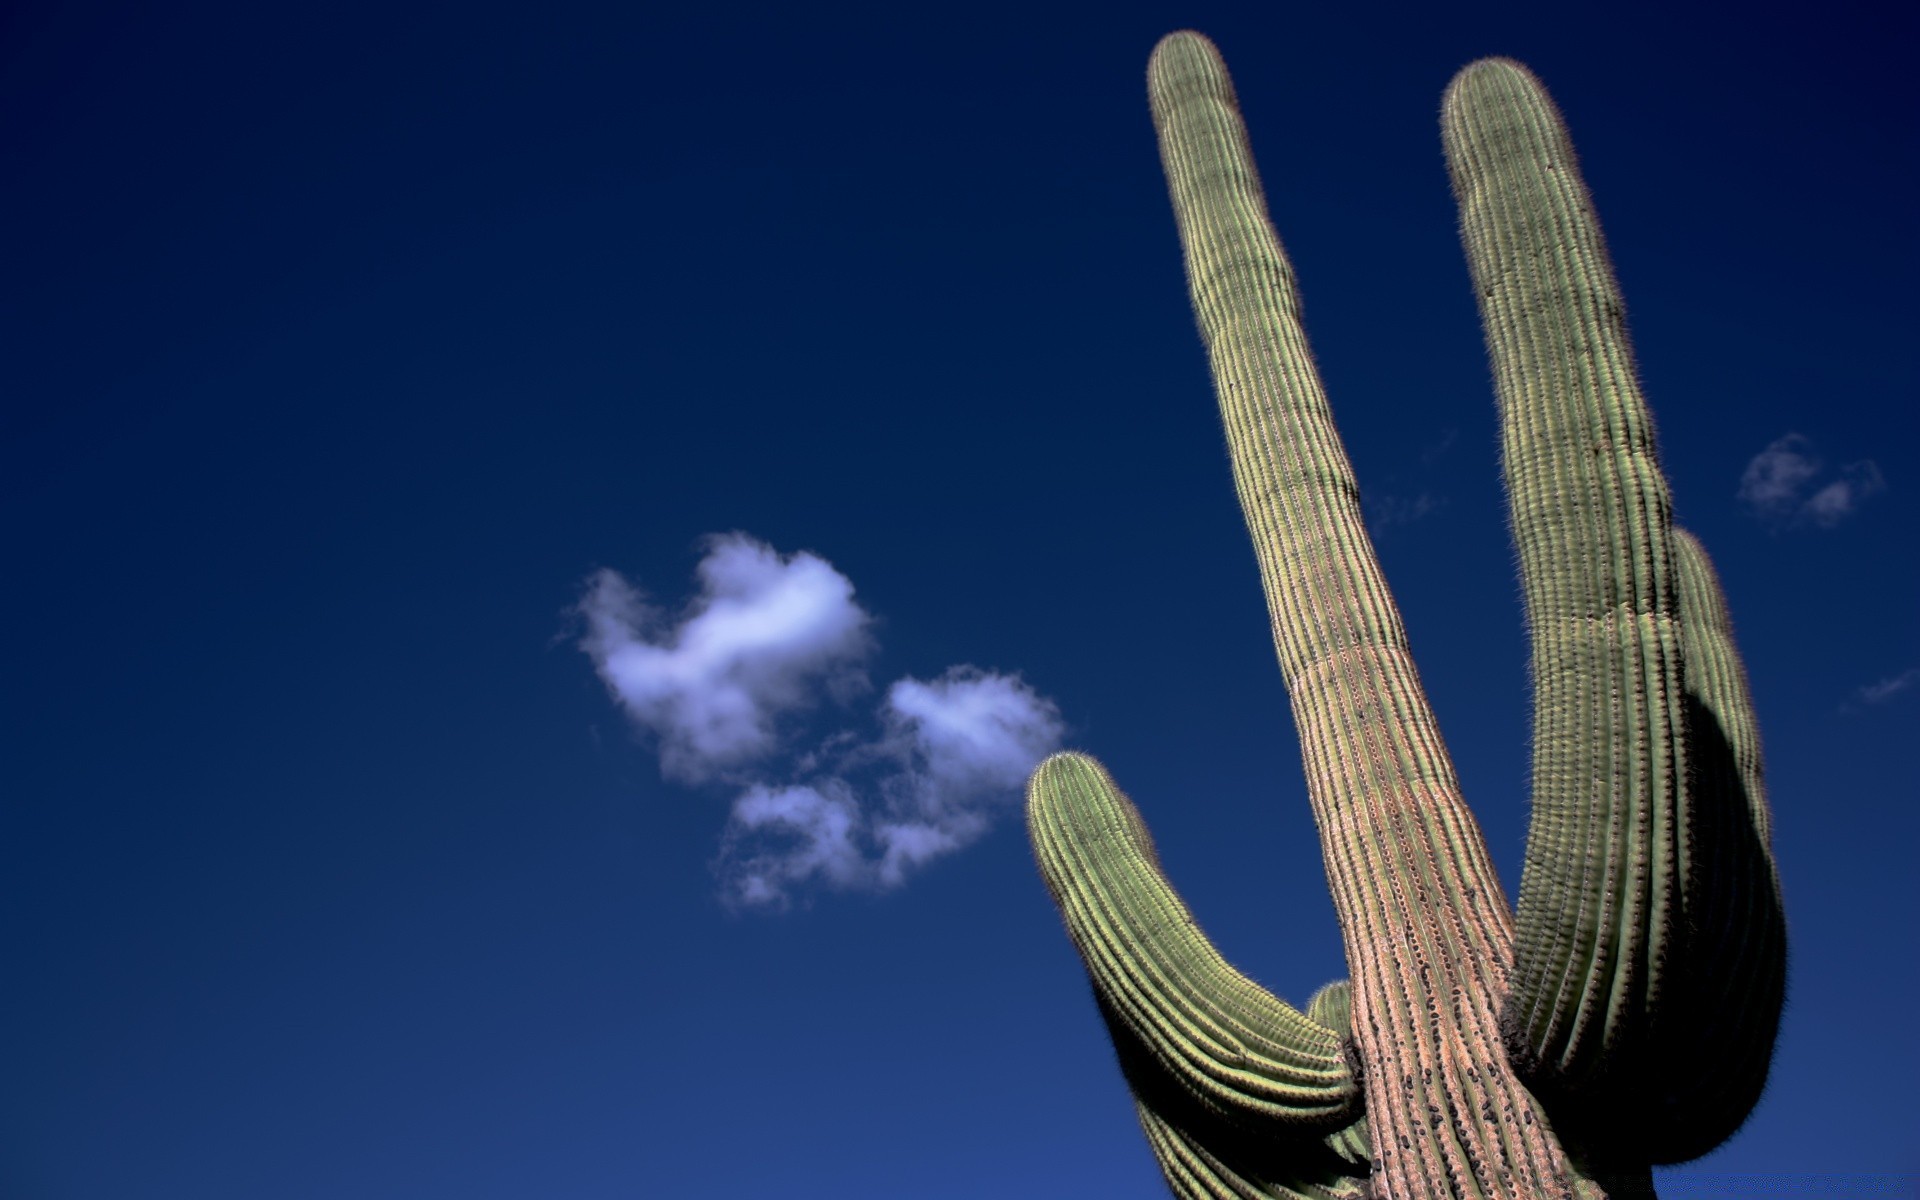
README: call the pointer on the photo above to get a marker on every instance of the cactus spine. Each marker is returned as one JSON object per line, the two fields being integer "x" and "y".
{"x": 1626, "y": 1015}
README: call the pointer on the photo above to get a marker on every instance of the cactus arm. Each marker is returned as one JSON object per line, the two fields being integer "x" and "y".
{"x": 1649, "y": 952}
{"x": 1592, "y": 519}
{"x": 1204, "y": 1152}
{"x": 1242, "y": 1052}
{"x": 1717, "y": 677}
{"x": 1191, "y": 1172}
{"x": 1195, "y": 1173}
{"x": 1425, "y": 921}
{"x": 1235, "y": 1089}
{"x": 1714, "y": 1044}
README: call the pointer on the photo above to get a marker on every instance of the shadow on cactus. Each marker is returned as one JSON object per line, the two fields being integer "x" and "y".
{"x": 1624, "y": 1015}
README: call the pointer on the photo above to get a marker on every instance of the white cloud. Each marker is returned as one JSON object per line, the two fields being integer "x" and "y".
{"x": 1836, "y": 500}
{"x": 972, "y": 730}
{"x": 1887, "y": 689}
{"x": 1772, "y": 483}
{"x": 778, "y": 839}
{"x": 966, "y": 743}
{"x": 765, "y": 638}
{"x": 1778, "y": 485}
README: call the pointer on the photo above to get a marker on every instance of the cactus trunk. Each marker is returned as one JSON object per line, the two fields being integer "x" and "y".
{"x": 1425, "y": 921}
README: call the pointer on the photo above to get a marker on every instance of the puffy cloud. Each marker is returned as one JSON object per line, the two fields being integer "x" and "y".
{"x": 966, "y": 743}
{"x": 972, "y": 730}
{"x": 766, "y": 637}
{"x": 1774, "y": 479}
{"x": 1828, "y": 506}
{"x": 1779, "y": 485}
{"x": 782, "y": 838}
{"x": 950, "y": 761}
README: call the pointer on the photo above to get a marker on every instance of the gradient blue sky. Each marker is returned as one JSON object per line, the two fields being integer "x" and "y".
{"x": 343, "y": 344}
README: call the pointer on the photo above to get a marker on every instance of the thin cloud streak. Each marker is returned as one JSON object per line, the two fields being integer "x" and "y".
{"x": 1887, "y": 689}
{"x": 768, "y": 638}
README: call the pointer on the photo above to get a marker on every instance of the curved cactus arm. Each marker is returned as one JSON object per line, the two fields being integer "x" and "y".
{"x": 1191, "y": 1172}
{"x": 1650, "y": 946}
{"x": 1194, "y": 1173}
{"x": 1717, "y": 677}
{"x": 1241, "y": 1052}
{"x": 1713, "y": 1037}
{"x": 1204, "y": 1152}
{"x": 1599, "y": 895}
{"x": 1427, "y": 930}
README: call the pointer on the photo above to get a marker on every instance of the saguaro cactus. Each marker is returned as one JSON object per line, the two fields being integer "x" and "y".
{"x": 1624, "y": 1016}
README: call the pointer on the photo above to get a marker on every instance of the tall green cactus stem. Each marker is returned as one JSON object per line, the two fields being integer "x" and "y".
{"x": 1632, "y": 1019}
{"x": 1598, "y": 904}
{"x": 1610, "y": 942}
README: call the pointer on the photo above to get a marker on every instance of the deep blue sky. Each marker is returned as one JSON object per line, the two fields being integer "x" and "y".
{"x": 342, "y": 342}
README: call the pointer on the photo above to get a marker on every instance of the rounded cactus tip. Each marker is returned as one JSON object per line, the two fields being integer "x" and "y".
{"x": 1186, "y": 57}
{"x": 1183, "y": 41}
{"x": 1495, "y": 71}
{"x": 1061, "y": 766}
{"x": 1495, "y": 65}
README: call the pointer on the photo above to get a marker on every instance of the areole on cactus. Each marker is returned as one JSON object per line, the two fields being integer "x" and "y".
{"x": 1624, "y": 1015}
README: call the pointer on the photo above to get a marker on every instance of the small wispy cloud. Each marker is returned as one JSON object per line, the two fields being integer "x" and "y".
{"x": 1783, "y": 486}
{"x": 951, "y": 759}
{"x": 1408, "y": 501}
{"x": 768, "y": 638}
{"x": 1439, "y": 447}
{"x": 1388, "y": 511}
{"x": 1888, "y": 688}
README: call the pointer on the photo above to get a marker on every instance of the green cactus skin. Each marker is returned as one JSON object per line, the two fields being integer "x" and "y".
{"x": 1332, "y": 1006}
{"x": 1243, "y": 1052}
{"x": 1598, "y": 903}
{"x": 1235, "y": 1088}
{"x": 1606, "y": 1015}
{"x": 1626, "y": 1016}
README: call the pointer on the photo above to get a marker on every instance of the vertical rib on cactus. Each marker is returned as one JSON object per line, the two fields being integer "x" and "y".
{"x": 1425, "y": 921}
